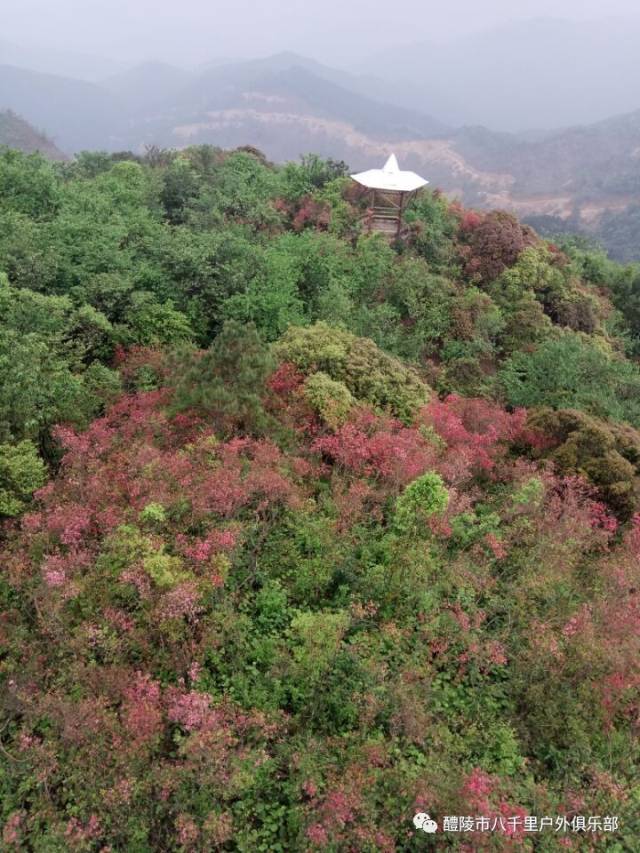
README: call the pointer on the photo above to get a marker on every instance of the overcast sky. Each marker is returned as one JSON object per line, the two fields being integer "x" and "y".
{"x": 194, "y": 31}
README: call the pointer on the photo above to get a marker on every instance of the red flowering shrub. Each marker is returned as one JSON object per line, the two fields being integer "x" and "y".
{"x": 491, "y": 243}
{"x": 311, "y": 212}
{"x": 475, "y": 433}
{"x": 378, "y": 447}
{"x": 142, "y": 714}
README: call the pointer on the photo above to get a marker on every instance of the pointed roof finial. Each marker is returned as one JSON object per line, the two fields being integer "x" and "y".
{"x": 391, "y": 165}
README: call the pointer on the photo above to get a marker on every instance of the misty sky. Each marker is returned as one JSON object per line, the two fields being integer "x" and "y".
{"x": 190, "y": 32}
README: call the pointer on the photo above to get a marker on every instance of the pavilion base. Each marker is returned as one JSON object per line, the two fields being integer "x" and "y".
{"x": 386, "y": 214}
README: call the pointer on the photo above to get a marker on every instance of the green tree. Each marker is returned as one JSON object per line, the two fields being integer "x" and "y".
{"x": 433, "y": 229}
{"x": 22, "y": 471}
{"x": 28, "y": 184}
{"x": 422, "y": 498}
{"x": 626, "y": 297}
{"x": 180, "y": 186}
{"x": 332, "y": 400}
{"x": 573, "y": 372}
{"x": 313, "y": 172}
{"x": 39, "y": 387}
{"x": 271, "y": 300}
{"x": 226, "y": 383}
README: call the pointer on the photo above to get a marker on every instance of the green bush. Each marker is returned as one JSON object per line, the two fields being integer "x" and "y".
{"x": 422, "y": 498}
{"x": 370, "y": 375}
{"x": 332, "y": 400}
{"x": 607, "y": 454}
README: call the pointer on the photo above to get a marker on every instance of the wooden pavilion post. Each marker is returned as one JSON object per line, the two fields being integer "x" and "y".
{"x": 400, "y": 212}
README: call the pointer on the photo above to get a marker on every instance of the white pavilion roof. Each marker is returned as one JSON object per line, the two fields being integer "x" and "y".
{"x": 390, "y": 177}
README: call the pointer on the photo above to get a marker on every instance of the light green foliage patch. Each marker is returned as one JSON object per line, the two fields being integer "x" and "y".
{"x": 332, "y": 400}
{"x": 422, "y": 498}
{"x": 21, "y": 473}
{"x": 370, "y": 375}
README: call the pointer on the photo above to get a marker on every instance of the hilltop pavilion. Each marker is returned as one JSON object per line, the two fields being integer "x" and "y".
{"x": 391, "y": 189}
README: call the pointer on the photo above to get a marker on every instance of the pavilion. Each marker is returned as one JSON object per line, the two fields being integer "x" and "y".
{"x": 391, "y": 189}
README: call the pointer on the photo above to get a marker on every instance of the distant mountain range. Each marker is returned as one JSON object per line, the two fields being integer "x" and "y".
{"x": 288, "y": 105}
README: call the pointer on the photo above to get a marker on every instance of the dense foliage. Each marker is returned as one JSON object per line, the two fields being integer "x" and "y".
{"x": 304, "y": 533}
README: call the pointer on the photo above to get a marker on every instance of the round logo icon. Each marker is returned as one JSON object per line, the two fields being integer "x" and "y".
{"x": 423, "y": 821}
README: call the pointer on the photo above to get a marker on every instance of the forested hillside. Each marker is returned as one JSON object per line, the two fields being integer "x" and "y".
{"x": 302, "y": 532}
{"x": 16, "y": 133}
{"x": 581, "y": 180}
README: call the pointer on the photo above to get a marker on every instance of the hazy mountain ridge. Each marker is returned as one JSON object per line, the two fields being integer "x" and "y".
{"x": 285, "y": 84}
{"x": 15, "y": 132}
{"x": 579, "y": 177}
{"x": 148, "y": 85}
{"x": 77, "y": 114}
